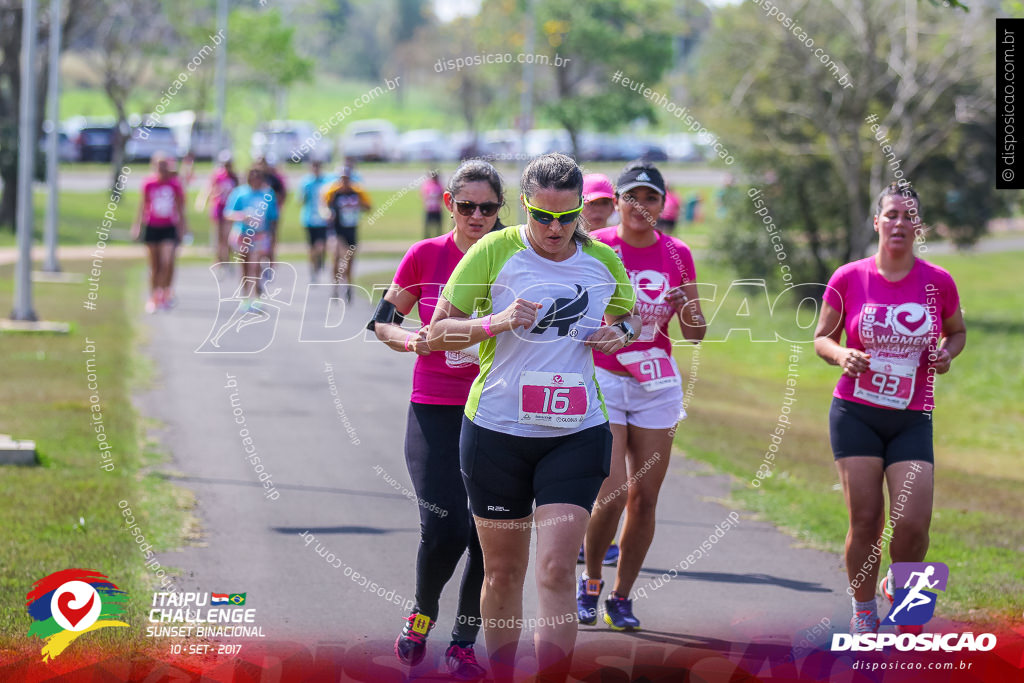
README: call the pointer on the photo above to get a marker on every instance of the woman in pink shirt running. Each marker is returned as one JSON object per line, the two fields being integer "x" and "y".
{"x": 903, "y": 325}
{"x": 221, "y": 183}
{"x": 642, "y": 389}
{"x": 162, "y": 215}
{"x": 441, "y": 381}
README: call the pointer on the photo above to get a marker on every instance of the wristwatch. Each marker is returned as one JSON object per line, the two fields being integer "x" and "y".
{"x": 627, "y": 328}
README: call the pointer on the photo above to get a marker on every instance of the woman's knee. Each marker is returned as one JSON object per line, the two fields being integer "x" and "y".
{"x": 555, "y": 573}
{"x": 911, "y": 532}
{"x": 866, "y": 524}
{"x": 446, "y": 539}
{"x": 504, "y": 575}
{"x": 642, "y": 501}
{"x": 612, "y": 504}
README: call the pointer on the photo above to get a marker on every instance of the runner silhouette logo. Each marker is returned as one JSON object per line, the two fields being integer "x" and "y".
{"x": 248, "y": 311}
{"x": 564, "y": 313}
{"x": 913, "y": 599}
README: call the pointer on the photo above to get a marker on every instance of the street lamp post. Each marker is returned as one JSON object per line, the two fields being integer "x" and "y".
{"x": 26, "y": 166}
{"x": 53, "y": 96}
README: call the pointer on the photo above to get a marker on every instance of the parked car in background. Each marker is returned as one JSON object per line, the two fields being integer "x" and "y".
{"x": 93, "y": 138}
{"x": 66, "y": 149}
{"x": 145, "y": 141}
{"x": 196, "y": 133}
{"x": 291, "y": 141}
{"x": 681, "y": 147}
{"x": 370, "y": 140}
{"x": 424, "y": 145}
{"x": 652, "y": 151}
{"x": 501, "y": 145}
{"x": 545, "y": 140}
{"x": 596, "y": 147}
{"x": 465, "y": 144}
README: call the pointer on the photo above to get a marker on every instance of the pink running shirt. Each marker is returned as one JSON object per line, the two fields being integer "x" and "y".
{"x": 653, "y": 271}
{"x": 159, "y": 197}
{"x": 432, "y": 193}
{"x": 222, "y": 184}
{"x": 899, "y": 324}
{"x": 443, "y": 377}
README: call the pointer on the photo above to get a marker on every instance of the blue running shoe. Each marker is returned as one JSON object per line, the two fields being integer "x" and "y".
{"x": 611, "y": 556}
{"x": 618, "y": 613}
{"x": 587, "y": 593}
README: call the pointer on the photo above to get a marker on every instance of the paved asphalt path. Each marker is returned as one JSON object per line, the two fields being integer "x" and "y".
{"x": 755, "y": 585}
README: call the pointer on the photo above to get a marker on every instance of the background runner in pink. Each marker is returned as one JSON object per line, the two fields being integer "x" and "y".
{"x": 160, "y": 199}
{"x": 902, "y": 312}
{"x": 653, "y": 270}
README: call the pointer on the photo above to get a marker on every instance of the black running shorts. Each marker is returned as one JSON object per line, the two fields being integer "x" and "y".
{"x": 505, "y": 474}
{"x": 893, "y": 435}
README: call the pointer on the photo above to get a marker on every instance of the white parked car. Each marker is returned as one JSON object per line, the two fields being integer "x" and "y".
{"x": 545, "y": 140}
{"x": 146, "y": 141}
{"x": 196, "y": 133}
{"x": 370, "y": 139}
{"x": 681, "y": 147}
{"x": 67, "y": 150}
{"x": 424, "y": 145}
{"x": 291, "y": 141}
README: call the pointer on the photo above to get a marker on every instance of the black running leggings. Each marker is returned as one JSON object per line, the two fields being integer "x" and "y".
{"x": 432, "y": 455}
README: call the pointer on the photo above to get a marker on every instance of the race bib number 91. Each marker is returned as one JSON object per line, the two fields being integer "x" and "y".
{"x": 653, "y": 368}
{"x": 555, "y": 399}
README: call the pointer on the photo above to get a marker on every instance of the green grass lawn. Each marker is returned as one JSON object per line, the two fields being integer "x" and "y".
{"x": 64, "y": 513}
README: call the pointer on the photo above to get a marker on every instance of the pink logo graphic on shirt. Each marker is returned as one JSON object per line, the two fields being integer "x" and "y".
{"x": 911, "y": 319}
{"x": 650, "y": 285}
{"x": 557, "y": 379}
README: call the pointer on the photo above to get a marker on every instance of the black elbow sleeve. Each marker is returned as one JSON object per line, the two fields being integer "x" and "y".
{"x": 385, "y": 313}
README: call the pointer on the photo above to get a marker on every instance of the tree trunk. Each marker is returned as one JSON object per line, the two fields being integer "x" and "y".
{"x": 8, "y": 202}
{"x": 120, "y": 140}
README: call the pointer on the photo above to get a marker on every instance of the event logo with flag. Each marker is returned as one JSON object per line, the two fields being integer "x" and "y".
{"x": 237, "y": 599}
{"x": 68, "y": 603}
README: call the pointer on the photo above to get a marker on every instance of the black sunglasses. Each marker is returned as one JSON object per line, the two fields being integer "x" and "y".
{"x": 468, "y": 208}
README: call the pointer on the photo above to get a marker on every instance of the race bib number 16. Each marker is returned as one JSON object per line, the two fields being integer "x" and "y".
{"x": 555, "y": 399}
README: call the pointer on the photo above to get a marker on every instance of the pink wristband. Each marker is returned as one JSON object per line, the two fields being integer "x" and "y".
{"x": 487, "y": 326}
{"x": 407, "y": 340}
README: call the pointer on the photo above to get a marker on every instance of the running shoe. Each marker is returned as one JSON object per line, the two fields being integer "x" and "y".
{"x": 462, "y": 664}
{"x": 611, "y": 556}
{"x": 588, "y": 591}
{"x": 411, "y": 644}
{"x": 151, "y": 305}
{"x": 865, "y": 621}
{"x": 618, "y": 613}
{"x": 886, "y": 585}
